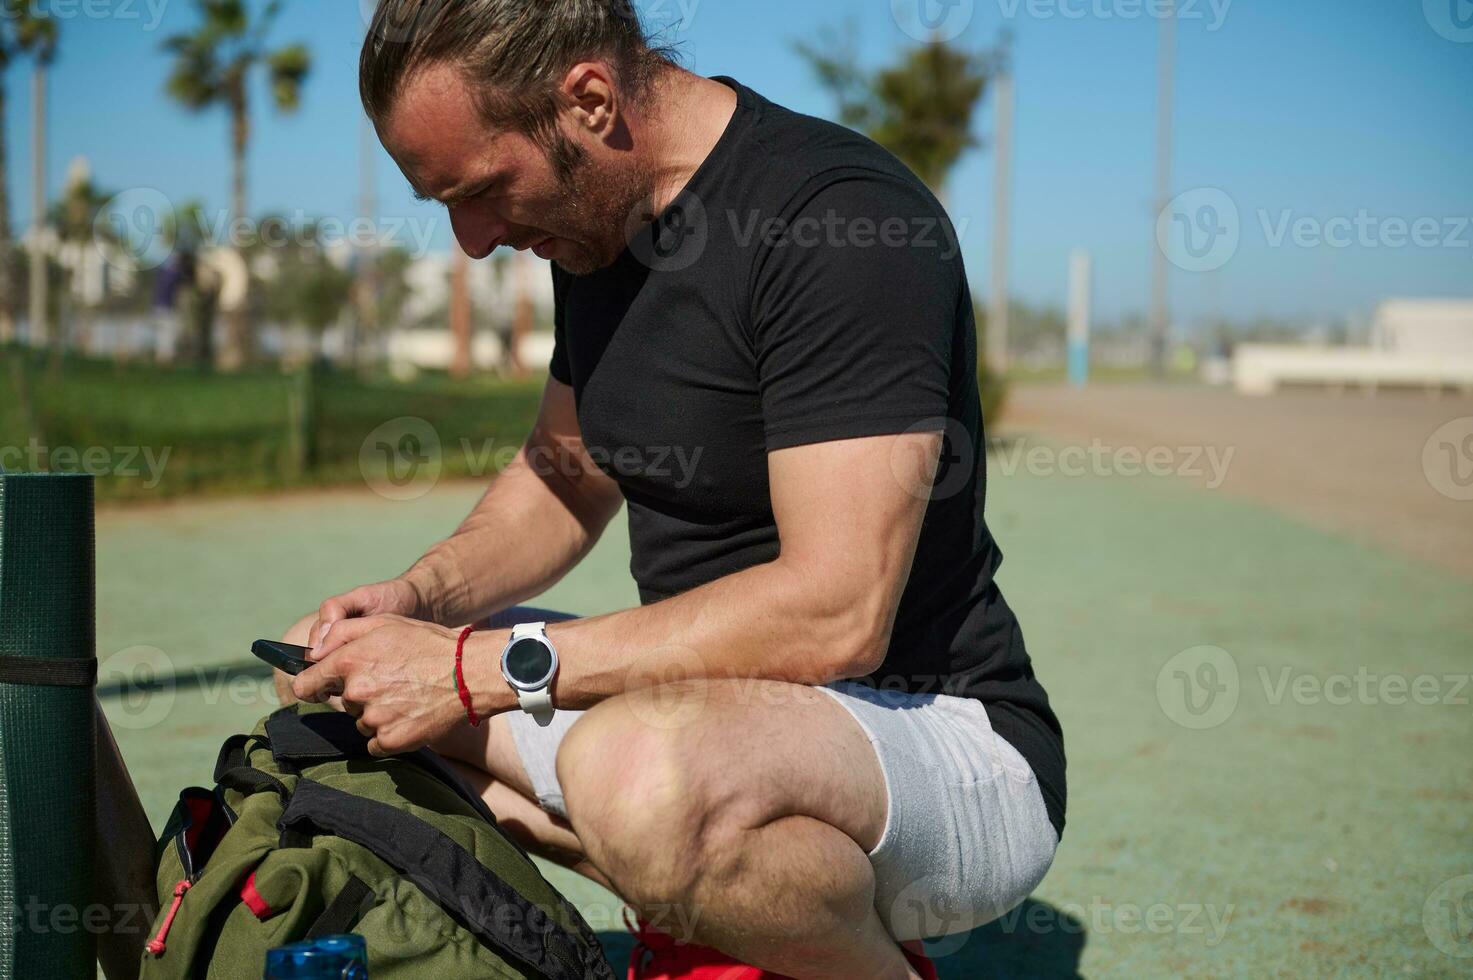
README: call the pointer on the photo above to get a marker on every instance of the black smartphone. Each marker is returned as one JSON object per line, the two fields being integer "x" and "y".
{"x": 287, "y": 657}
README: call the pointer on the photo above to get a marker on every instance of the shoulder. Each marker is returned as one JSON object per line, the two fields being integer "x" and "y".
{"x": 801, "y": 156}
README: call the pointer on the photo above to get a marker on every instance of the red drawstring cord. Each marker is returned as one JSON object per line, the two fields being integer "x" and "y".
{"x": 460, "y": 688}
{"x": 156, "y": 944}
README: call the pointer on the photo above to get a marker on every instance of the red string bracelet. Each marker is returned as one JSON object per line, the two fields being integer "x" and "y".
{"x": 460, "y": 688}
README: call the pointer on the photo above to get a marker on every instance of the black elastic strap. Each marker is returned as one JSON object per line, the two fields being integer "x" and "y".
{"x": 236, "y": 752}
{"x": 249, "y": 780}
{"x": 344, "y": 911}
{"x": 49, "y": 671}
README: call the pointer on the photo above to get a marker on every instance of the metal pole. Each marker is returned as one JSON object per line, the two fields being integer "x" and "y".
{"x": 1165, "y": 99}
{"x": 40, "y": 330}
{"x": 997, "y": 312}
{"x": 1079, "y": 315}
{"x": 460, "y": 312}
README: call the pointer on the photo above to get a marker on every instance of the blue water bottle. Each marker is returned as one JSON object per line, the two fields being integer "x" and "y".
{"x": 329, "y": 958}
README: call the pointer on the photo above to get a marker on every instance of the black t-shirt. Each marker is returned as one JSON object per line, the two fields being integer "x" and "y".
{"x": 804, "y": 287}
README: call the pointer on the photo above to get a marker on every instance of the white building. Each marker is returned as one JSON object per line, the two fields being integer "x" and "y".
{"x": 1415, "y": 343}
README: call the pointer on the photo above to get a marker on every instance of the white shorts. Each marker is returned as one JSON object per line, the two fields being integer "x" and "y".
{"x": 967, "y": 837}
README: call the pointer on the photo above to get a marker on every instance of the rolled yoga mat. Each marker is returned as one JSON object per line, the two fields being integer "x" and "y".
{"x": 48, "y": 669}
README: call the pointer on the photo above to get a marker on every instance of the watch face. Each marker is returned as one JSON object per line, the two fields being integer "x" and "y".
{"x": 528, "y": 661}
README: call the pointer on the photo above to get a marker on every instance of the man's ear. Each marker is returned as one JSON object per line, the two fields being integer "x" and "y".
{"x": 589, "y": 90}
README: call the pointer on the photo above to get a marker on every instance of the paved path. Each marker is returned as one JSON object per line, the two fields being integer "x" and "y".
{"x": 1350, "y": 462}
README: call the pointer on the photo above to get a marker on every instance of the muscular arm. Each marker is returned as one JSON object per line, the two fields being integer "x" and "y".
{"x": 848, "y": 514}
{"x": 537, "y": 520}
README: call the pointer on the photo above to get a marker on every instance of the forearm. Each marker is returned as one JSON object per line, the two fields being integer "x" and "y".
{"x": 771, "y": 621}
{"x": 529, "y": 529}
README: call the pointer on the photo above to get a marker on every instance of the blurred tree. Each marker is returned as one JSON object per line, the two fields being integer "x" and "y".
{"x": 920, "y": 108}
{"x": 75, "y": 218}
{"x": 213, "y": 67}
{"x": 394, "y": 288}
{"x": 24, "y": 30}
{"x": 195, "y": 300}
{"x": 307, "y": 289}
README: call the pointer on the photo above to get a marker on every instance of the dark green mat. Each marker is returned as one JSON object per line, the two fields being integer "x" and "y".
{"x": 47, "y": 640}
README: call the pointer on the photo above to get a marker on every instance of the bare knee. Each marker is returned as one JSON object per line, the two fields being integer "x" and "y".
{"x": 644, "y": 809}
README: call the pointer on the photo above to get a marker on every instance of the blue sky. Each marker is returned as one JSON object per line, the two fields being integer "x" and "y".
{"x": 1323, "y": 123}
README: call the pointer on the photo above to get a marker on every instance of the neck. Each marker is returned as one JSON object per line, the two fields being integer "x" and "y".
{"x": 687, "y": 116}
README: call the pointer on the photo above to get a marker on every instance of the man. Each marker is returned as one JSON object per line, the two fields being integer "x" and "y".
{"x": 820, "y": 736}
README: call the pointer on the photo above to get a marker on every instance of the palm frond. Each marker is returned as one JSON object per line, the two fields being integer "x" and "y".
{"x": 289, "y": 67}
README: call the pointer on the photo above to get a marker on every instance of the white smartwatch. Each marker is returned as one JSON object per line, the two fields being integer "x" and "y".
{"x": 529, "y": 664}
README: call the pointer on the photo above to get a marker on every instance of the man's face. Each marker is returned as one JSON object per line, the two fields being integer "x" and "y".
{"x": 502, "y": 188}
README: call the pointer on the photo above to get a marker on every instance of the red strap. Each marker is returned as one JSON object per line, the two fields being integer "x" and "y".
{"x": 460, "y": 688}
{"x": 252, "y": 898}
{"x": 156, "y": 944}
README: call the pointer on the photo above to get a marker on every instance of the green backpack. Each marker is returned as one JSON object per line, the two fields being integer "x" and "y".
{"x": 307, "y": 835}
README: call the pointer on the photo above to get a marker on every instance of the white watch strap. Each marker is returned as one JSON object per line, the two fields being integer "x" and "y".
{"x": 528, "y": 629}
{"x": 538, "y": 704}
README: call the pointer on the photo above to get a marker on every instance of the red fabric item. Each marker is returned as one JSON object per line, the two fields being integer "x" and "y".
{"x": 657, "y": 956}
{"x": 460, "y": 688}
{"x": 921, "y": 963}
{"x": 253, "y": 899}
{"x": 200, "y": 809}
{"x": 156, "y": 944}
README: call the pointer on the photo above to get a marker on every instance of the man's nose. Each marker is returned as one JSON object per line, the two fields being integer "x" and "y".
{"x": 477, "y": 230}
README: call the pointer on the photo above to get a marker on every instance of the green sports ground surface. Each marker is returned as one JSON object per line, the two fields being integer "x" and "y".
{"x": 1292, "y": 803}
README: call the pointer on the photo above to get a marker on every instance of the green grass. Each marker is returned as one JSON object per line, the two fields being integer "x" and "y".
{"x": 1313, "y": 834}
{"x": 169, "y": 432}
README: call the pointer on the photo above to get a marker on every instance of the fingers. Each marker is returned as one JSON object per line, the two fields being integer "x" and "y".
{"x": 340, "y": 634}
{"x": 319, "y": 682}
{"x": 328, "y": 613}
{"x": 350, "y": 605}
{"x": 380, "y": 744}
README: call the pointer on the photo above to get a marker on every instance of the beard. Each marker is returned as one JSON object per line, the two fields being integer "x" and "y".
{"x": 596, "y": 212}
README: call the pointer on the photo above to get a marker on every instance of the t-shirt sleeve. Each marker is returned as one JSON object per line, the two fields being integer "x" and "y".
{"x": 855, "y": 315}
{"x": 559, "y": 367}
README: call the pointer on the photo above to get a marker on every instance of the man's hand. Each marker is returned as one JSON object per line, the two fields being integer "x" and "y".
{"x": 395, "y": 597}
{"x": 396, "y": 675}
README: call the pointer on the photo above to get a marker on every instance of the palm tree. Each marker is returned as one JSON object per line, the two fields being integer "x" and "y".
{"x": 213, "y": 67}
{"x": 24, "y": 30}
